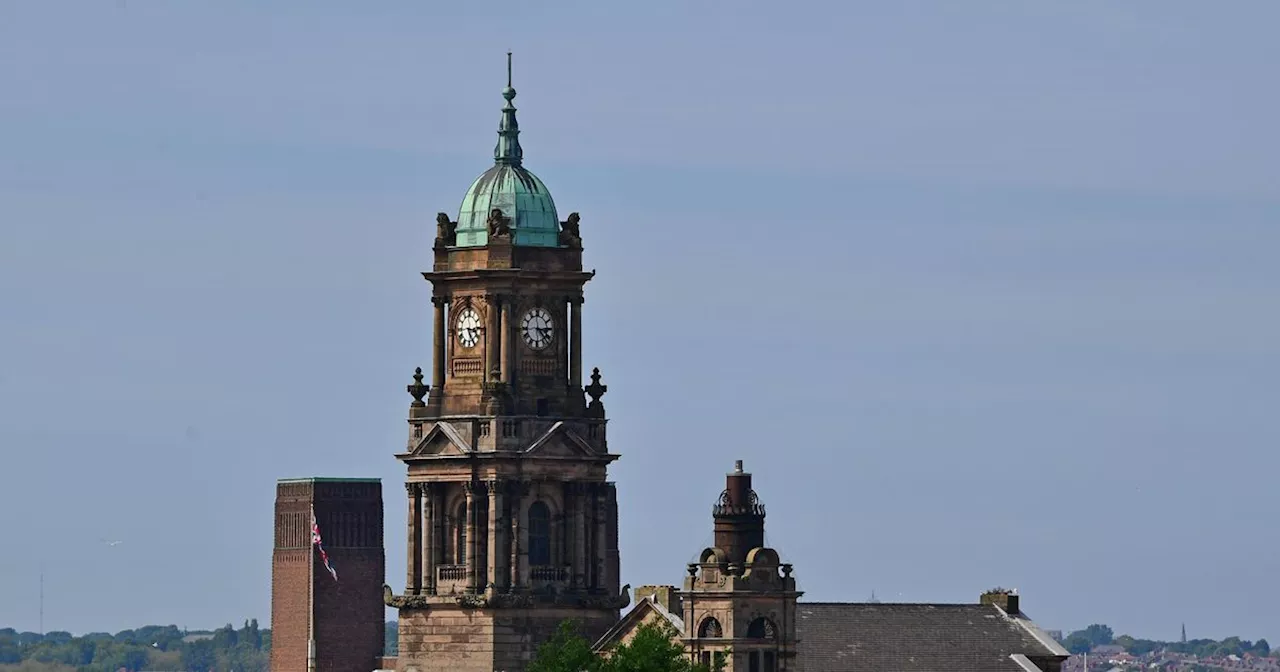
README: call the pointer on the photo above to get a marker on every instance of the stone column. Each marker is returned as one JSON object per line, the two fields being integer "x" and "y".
{"x": 494, "y": 556}
{"x": 472, "y": 565}
{"x": 612, "y": 568}
{"x": 599, "y": 560}
{"x": 413, "y": 582}
{"x": 508, "y": 359}
{"x": 579, "y": 525}
{"x": 428, "y": 537}
{"x": 492, "y": 336}
{"x": 523, "y": 517}
{"x": 437, "y": 377}
{"x": 514, "y": 580}
{"x": 440, "y": 533}
{"x": 575, "y": 345}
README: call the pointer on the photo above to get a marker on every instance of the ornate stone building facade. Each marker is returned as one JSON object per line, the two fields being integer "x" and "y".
{"x": 513, "y": 524}
{"x": 740, "y": 596}
{"x": 739, "y": 606}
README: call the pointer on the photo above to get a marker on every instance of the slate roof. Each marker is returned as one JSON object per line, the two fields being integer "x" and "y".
{"x": 856, "y": 637}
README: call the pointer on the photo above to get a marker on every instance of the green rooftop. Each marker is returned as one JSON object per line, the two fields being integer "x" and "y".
{"x": 509, "y": 187}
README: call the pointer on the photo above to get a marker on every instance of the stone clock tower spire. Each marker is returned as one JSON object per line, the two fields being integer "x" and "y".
{"x": 513, "y": 525}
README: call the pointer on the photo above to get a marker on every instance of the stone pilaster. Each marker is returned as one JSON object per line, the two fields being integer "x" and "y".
{"x": 437, "y": 373}
{"x": 575, "y": 346}
{"x": 579, "y": 525}
{"x": 429, "y": 538}
{"x": 494, "y": 557}
{"x": 508, "y": 353}
{"x": 441, "y": 533}
{"x": 473, "y": 565}
{"x": 413, "y": 580}
{"x": 518, "y": 542}
{"x": 598, "y": 494}
{"x": 613, "y": 569}
{"x": 492, "y": 335}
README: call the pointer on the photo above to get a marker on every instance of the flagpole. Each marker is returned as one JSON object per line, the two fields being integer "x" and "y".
{"x": 311, "y": 595}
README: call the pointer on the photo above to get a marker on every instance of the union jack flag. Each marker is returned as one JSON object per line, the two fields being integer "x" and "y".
{"x": 315, "y": 541}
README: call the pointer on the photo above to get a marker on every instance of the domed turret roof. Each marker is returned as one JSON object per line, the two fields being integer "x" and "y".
{"x": 509, "y": 187}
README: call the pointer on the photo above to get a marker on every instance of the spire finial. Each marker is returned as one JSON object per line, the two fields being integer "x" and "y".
{"x": 508, "y": 150}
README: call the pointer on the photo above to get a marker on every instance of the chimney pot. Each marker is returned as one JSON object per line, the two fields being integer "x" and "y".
{"x": 737, "y": 466}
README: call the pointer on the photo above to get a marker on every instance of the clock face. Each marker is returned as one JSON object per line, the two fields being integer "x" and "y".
{"x": 537, "y": 328}
{"x": 468, "y": 328}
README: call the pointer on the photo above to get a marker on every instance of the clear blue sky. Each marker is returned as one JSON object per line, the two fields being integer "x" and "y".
{"x": 984, "y": 293}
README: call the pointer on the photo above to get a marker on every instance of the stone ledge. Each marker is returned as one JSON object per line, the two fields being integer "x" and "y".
{"x": 508, "y": 600}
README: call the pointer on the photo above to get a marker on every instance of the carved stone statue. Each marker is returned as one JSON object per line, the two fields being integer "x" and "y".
{"x": 499, "y": 224}
{"x": 570, "y": 236}
{"x": 446, "y": 231}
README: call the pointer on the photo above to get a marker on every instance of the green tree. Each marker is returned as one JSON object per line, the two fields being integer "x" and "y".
{"x": 57, "y": 637}
{"x": 251, "y": 635}
{"x": 1099, "y": 634}
{"x": 1077, "y": 643}
{"x": 199, "y": 655}
{"x": 566, "y": 651}
{"x": 113, "y": 656}
{"x": 244, "y": 657}
{"x": 225, "y": 637}
{"x": 654, "y": 648}
{"x": 1081, "y": 641}
{"x": 9, "y": 650}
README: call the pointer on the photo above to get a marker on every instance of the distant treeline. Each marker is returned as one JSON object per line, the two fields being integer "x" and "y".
{"x": 1083, "y": 641}
{"x": 153, "y": 647}
{"x": 248, "y": 648}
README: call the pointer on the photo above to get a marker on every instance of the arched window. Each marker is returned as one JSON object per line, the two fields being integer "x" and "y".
{"x": 710, "y": 627}
{"x": 539, "y": 534}
{"x": 460, "y": 535}
{"x": 762, "y": 661}
{"x": 761, "y": 628}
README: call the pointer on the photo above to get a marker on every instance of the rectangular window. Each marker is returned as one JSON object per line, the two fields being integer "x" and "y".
{"x": 770, "y": 664}
{"x": 753, "y": 664}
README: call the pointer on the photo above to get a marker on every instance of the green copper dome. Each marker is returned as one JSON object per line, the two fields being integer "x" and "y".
{"x": 508, "y": 187}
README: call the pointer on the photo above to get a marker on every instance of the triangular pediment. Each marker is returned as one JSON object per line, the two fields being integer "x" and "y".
{"x": 442, "y": 440}
{"x": 645, "y": 611}
{"x": 560, "y": 441}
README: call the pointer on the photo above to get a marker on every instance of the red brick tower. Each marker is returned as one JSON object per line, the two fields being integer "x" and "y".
{"x": 348, "y": 614}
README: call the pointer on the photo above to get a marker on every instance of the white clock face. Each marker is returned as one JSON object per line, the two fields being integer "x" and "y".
{"x": 537, "y": 328}
{"x": 468, "y": 328}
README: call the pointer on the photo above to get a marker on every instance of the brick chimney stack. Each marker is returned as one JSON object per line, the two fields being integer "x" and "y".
{"x": 1007, "y": 600}
{"x": 739, "y": 517}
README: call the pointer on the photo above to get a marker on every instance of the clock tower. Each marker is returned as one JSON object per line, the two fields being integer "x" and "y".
{"x": 512, "y": 522}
